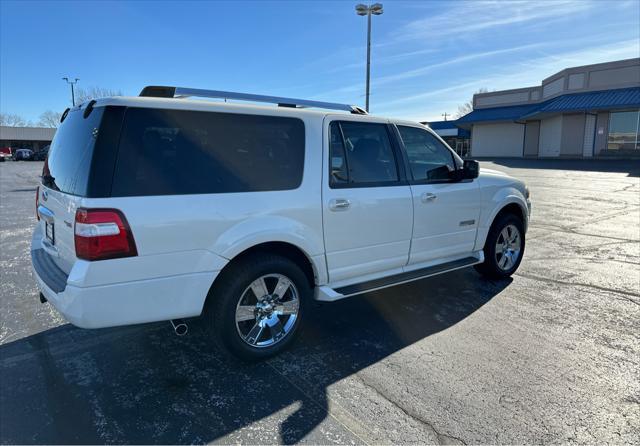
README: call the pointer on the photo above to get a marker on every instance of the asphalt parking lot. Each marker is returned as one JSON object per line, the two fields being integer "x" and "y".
{"x": 551, "y": 356}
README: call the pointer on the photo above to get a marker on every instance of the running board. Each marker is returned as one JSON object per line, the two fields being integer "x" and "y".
{"x": 327, "y": 294}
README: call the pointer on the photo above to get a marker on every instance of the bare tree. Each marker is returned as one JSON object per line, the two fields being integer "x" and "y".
{"x": 13, "y": 120}
{"x": 50, "y": 119}
{"x": 467, "y": 107}
{"x": 83, "y": 95}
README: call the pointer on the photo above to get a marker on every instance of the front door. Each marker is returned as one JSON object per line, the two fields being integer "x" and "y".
{"x": 367, "y": 203}
{"x": 446, "y": 210}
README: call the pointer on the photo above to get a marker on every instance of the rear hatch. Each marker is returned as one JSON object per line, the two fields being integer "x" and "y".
{"x": 73, "y": 170}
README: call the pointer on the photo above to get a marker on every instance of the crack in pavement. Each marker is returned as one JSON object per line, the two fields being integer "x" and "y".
{"x": 626, "y": 188}
{"x": 586, "y": 285}
{"x": 565, "y": 230}
{"x": 603, "y": 217}
{"x": 571, "y": 228}
{"x": 585, "y": 258}
{"x": 443, "y": 439}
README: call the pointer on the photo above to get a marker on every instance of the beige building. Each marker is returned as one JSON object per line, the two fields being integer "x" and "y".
{"x": 593, "y": 110}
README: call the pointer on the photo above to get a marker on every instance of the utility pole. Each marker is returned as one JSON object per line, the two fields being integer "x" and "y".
{"x": 362, "y": 10}
{"x": 445, "y": 114}
{"x": 72, "y": 83}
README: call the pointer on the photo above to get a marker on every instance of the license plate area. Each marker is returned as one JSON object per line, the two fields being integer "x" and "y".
{"x": 49, "y": 232}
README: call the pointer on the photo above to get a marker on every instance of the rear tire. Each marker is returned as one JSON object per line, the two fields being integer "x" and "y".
{"x": 256, "y": 307}
{"x": 503, "y": 248}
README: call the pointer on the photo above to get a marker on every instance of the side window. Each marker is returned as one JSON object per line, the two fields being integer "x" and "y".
{"x": 361, "y": 153}
{"x": 429, "y": 159}
{"x": 172, "y": 152}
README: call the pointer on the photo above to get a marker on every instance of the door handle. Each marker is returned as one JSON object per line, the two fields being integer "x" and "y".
{"x": 339, "y": 204}
{"x": 427, "y": 197}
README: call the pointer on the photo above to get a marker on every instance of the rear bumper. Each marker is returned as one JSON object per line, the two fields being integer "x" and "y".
{"x": 122, "y": 303}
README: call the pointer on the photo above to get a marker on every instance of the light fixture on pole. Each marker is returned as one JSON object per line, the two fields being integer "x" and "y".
{"x": 375, "y": 9}
{"x": 72, "y": 83}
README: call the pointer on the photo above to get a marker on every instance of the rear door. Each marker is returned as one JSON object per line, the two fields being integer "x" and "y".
{"x": 65, "y": 181}
{"x": 367, "y": 205}
{"x": 446, "y": 210}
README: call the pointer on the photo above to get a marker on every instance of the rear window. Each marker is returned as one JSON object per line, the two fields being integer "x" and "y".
{"x": 69, "y": 161}
{"x": 168, "y": 152}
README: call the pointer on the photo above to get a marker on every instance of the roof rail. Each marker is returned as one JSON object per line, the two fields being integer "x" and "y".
{"x": 181, "y": 92}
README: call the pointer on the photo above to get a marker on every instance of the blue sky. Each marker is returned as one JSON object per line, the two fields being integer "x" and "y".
{"x": 427, "y": 57}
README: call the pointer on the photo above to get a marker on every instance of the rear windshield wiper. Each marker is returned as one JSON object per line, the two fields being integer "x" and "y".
{"x": 49, "y": 181}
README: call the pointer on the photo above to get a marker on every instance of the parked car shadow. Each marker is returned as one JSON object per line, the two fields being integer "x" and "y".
{"x": 145, "y": 385}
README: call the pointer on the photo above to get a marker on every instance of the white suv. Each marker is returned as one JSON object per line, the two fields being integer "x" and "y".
{"x": 162, "y": 208}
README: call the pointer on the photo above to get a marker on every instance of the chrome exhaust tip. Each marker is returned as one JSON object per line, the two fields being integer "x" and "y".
{"x": 179, "y": 327}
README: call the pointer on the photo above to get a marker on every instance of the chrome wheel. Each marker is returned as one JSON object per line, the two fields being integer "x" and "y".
{"x": 267, "y": 310}
{"x": 508, "y": 247}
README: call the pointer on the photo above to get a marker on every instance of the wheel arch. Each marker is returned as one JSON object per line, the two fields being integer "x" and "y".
{"x": 285, "y": 249}
{"x": 512, "y": 205}
{"x": 511, "y": 208}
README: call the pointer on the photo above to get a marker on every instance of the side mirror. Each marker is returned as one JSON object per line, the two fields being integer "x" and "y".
{"x": 470, "y": 169}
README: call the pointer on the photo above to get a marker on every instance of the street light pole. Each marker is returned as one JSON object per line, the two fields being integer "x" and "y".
{"x": 72, "y": 83}
{"x": 375, "y": 9}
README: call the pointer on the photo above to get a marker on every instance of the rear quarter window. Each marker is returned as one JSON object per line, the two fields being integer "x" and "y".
{"x": 69, "y": 161}
{"x": 174, "y": 152}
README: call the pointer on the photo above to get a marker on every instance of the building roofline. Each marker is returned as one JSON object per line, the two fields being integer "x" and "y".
{"x": 579, "y": 68}
{"x": 574, "y": 102}
{"x": 27, "y": 127}
{"x": 500, "y": 92}
{"x": 611, "y": 64}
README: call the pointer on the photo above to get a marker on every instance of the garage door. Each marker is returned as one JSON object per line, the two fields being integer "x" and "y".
{"x": 504, "y": 139}
{"x": 551, "y": 136}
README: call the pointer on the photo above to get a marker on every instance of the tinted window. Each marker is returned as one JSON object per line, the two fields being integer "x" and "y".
{"x": 429, "y": 159}
{"x": 164, "y": 152}
{"x": 69, "y": 161}
{"x": 361, "y": 153}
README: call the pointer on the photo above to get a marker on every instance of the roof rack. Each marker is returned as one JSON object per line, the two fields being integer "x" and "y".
{"x": 181, "y": 92}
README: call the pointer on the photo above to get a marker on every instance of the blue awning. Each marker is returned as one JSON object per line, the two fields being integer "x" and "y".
{"x": 448, "y": 128}
{"x": 577, "y": 102}
{"x": 592, "y": 101}
{"x": 437, "y": 125}
{"x": 511, "y": 113}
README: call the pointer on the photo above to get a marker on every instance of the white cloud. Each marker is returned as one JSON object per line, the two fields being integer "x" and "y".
{"x": 465, "y": 18}
{"x": 431, "y": 67}
{"x": 423, "y": 105}
{"x": 474, "y": 56}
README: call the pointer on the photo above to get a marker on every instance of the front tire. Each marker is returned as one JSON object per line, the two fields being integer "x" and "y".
{"x": 503, "y": 248}
{"x": 256, "y": 307}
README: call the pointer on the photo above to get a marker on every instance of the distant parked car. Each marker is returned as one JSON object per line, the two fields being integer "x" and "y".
{"x": 41, "y": 154}
{"x": 23, "y": 155}
{"x": 5, "y": 152}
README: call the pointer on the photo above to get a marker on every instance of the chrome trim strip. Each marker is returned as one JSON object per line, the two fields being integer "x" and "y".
{"x": 411, "y": 280}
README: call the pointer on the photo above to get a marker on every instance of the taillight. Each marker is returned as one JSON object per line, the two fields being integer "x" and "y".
{"x": 37, "y": 202}
{"x": 102, "y": 234}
